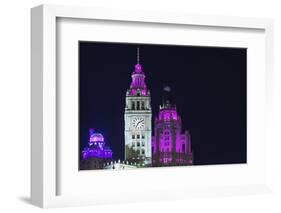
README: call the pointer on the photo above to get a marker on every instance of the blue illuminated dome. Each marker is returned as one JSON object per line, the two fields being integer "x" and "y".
{"x": 96, "y": 137}
{"x": 97, "y": 147}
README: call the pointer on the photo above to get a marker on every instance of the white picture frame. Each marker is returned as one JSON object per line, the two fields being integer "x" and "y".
{"x": 44, "y": 155}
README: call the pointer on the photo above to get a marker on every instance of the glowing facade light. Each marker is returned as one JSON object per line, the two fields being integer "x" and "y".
{"x": 169, "y": 145}
{"x": 138, "y": 86}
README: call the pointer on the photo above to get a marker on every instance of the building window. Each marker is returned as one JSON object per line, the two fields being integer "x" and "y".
{"x": 138, "y": 105}
{"x": 133, "y": 144}
{"x": 142, "y": 151}
{"x": 138, "y": 151}
{"x": 142, "y": 136}
{"x": 138, "y": 143}
{"x": 133, "y": 105}
{"x": 142, "y": 105}
{"x": 142, "y": 143}
{"x": 138, "y": 136}
{"x": 133, "y": 136}
{"x": 183, "y": 147}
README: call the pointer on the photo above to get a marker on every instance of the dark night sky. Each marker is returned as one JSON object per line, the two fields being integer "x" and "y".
{"x": 208, "y": 84}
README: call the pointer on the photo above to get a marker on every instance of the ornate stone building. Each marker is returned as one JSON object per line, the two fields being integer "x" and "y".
{"x": 96, "y": 154}
{"x": 170, "y": 147}
{"x": 138, "y": 118}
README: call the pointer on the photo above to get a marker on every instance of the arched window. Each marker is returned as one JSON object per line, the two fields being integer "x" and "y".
{"x": 138, "y": 105}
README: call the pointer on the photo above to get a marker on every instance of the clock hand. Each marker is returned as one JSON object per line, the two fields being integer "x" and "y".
{"x": 138, "y": 123}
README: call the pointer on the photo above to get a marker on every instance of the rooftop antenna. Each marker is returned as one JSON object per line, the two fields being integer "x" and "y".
{"x": 138, "y": 55}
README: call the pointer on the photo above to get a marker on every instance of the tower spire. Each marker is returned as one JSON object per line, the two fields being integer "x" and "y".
{"x": 138, "y": 55}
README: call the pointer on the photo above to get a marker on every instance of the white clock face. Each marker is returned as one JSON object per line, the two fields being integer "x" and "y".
{"x": 138, "y": 123}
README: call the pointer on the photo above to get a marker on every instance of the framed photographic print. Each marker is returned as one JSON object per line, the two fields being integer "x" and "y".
{"x": 148, "y": 105}
{"x": 145, "y": 118}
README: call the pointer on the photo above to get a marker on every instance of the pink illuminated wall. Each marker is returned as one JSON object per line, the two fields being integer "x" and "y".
{"x": 169, "y": 145}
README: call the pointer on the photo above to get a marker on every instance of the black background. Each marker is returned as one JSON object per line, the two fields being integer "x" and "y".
{"x": 208, "y": 84}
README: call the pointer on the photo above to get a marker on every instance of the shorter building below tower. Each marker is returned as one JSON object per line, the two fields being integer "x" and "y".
{"x": 96, "y": 154}
{"x": 170, "y": 147}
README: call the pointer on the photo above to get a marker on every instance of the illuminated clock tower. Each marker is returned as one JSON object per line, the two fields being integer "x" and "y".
{"x": 138, "y": 118}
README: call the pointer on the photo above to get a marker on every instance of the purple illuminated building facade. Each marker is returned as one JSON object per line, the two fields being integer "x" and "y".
{"x": 170, "y": 147}
{"x": 96, "y": 147}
